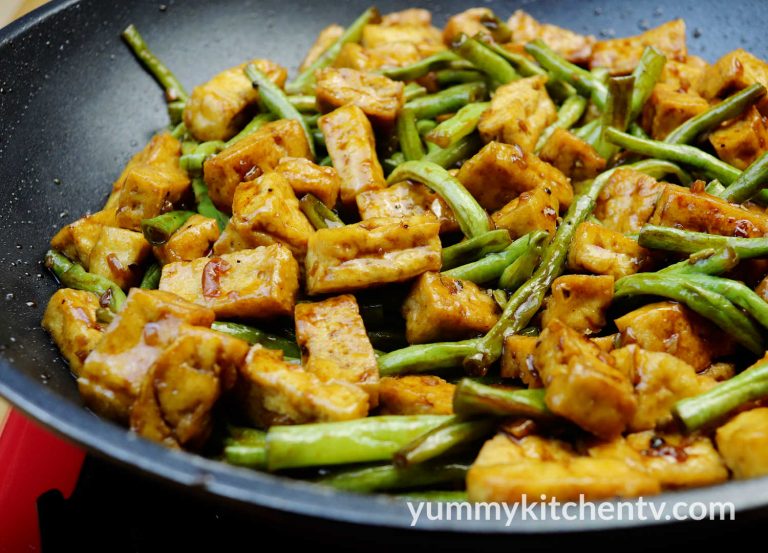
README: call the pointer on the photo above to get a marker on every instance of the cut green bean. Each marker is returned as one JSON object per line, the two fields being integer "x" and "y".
{"x": 408, "y": 136}
{"x": 751, "y": 181}
{"x": 448, "y": 100}
{"x": 738, "y": 293}
{"x": 658, "y": 169}
{"x": 193, "y": 162}
{"x": 459, "y": 151}
{"x": 567, "y": 116}
{"x": 706, "y": 262}
{"x": 205, "y": 204}
{"x": 424, "y": 126}
{"x": 320, "y": 215}
{"x": 255, "y": 336}
{"x": 474, "y": 398}
{"x": 303, "y": 102}
{"x": 158, "y": 230}
{"x": 413, "y": 91}
{"x": 174, "y": 90}
{"x": 686, "y": 241}
{"x": 246, "y": 447}
{"x": 445, "y": 439}
{"x": 255, "y": 124}
{"x": 151, "y": 278}
{"x": 646, "y": 75}
{"x": 521, "y": 269}
{"x": 485, "y": 59}
{"x": 422, "y": 67}
{"x": 389, "y": 477}
{"x": 457, "y": 127}
{"x": 616, "y": 112}
{"x": 426, "y": 357}
{"x": 475, "y": 248}
{"x": 455, "y": 76}
{"x": 73, "y": 275}
{"x": 491, "y": 267}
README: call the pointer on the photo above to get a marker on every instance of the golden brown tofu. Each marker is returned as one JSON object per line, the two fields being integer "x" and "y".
{"x": 419, "y": 394}
{"x": 743, "y": 443}
{"x": 70, "y": 319}
{"x": 581, "y": 383}
{"x": 250, "y": 157}
{"x": 426, "y": 39}
{"x": 472, "y": 22}
{"x": 408, "y": 16}
{"x": 519, "y": 113}
{"x": 683, "y": 76}
{"x": 732, "y": 72}
{"x": 535, "y": 209}
{"x": 230, "y": 241}
{"x": 149, "y": 191}
{"x": 505, "y": 449}
{"x": 76, "y": 240}
{"x": 334, "y": 344}
{"x": 674, "y": 461}
{"x": 178, "y": 393}
{"x": 579, "y": 301}
{"x": 600, "y": 250}
{"x": 672, "y": 328}
{"x": 621, "y": 55}
{"x": 258, "y": 283}
{"x": 701, "y": 212}
{"x": 742, "y": 140}
{"x": 575, "y": 158}
{"x": 390, "y": 54}
{"x": 352, "y": 147}
{"x": 517, "y": 360}
{"x": 111, "y": 377}
{"x": 306, "y": 177}
{"x": 372, "y": 252}
{"x": 272, "y": 391}
{"x": 572, "y": 46}
{"x": 380, "y": 98}
{"x": 668, "y": 108}
{"x": 324, "y": 40}
{"x": 193, "y": 239}
{"x": 440, "y": 308}
{"x": 265, "y": 211}
{"x": 660, "y": 380}
{"x": 498, "y": 173}
{"x": 406, "y": 199}
{"x": 118, "y": 255}
{"x": 218, "y": 109}
{"x": 627, "y": 200}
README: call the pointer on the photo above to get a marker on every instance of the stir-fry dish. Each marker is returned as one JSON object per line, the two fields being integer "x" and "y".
{"x": 496, "y": 261}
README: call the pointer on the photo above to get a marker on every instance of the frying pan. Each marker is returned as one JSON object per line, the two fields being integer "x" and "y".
{"x": 75, "y": 105}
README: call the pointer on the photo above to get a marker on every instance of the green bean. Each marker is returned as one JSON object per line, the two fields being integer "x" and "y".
{"x": 176, "y": 111}
{"x": 444, "y": 439}
{"x": 276, "y": 101}
{"x": 521, "y": 269}
{"x": 320, "y": 215}
{"x": 158, "y": 230}
{"x": 686, "y": 241}
{"x": 246, "y": 447}
{"x": 680, "y": 153}
{"x": 714, "y": 187}
{"x": 435, "y": 496}
{"x": 474, "y": 398}
{"x": 179, "y": 131}
{"x": 151, "y": 278}
{"x": 448, "y": 100}
{"x": 318, "y": 137}
{"x": 424, "y": 126}
{"x": 457, "y": 127}
{"x": 706, "y": 303}
{"x": 587, "y": 130}
{"x": 715, "y": 404}
{"x": 205, "y": 204}
{"x": 336, "y": 443}
{"x": 408, "y": 136}
{"x": 491, "y": 267}
{"x": 256, "y": 123}
{"x": 193, "y": 162}
{"x": 255, "y": 336}
{"x": 616, "y": 112}
{"x": 749, "y": 183}
{"x": 707, "y": 262}
{"x": 646, "y": 74}
{"x": 423, "y": 358}
{"x": 303, "y": 102}
{"x": 472, "y": 219}
{"x": 304, "y": 83}
{"x": 174, "y": 90}
{"x": 475, "y": 248}
{"x": 422, "y": 67}
{"x": 389, "y": 477}
{"x": 737, "y": 292}
{"x": 485, "y": 59}
{"x": 413, "y": 90}
{"x": 637, "y": 131}
{"x": 73, "y": 275}
{"x": 455, "y": 76}
{"x": 567, "y": 116}
{"x": 459, "y": 151}
{"x": 727, "y": 109}
{"x": 311, "y": 119}
{"x": 658, "y": 169}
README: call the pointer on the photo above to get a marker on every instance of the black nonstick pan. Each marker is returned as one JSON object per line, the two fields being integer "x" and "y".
{"x": 75, "y": 105}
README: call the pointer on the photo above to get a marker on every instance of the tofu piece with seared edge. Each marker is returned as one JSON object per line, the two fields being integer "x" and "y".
{"x": 118, "y": 255}
{"x": 621, "y": 55}
{"x": 598, "y": 249}
{"x": 406, "y": 199}
{"x": 743, "y": 443}
{"x": 535, "y": 209}
{"x": 70, "y": 319}
{"x": 579, "y": 301}
{"x": 193, "y": 239}
{"x": 417, "y": 394}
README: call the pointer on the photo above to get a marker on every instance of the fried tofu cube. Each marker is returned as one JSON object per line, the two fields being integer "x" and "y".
{"x": 683, "y": 75}
{"x": 672, "y": 328}
{"x": 519, "y": 113}
{"x": 118, "y": 255}
{"x": 272, "y": 391}
{"x": 732, "y": 72}
{"x": 408, "y": 16}
{"x": 660, "y": 380}
{"x": 258, "y": 283}
{"x": 535, "y": 209}
{"x": 306, "y": 177}
{"x": 390, "y": 54}
{"x": 687, "y": 209}
{"x": 111, "y": 376}
{"x": 572, "y": 46}
{"x": 579, "y": 301}
{"x": 231, "y": 241}
{"x": 252, "y": 156}
{"x": 517, "y": 360}
{"x": 70, "y": 319}
{"x": 265, "y": 211}
{"x": 76, "y": 240}
{"x": 418, "y": 394}
{"x": 218, "y": 109}
{"x": 334, "y": 344}
{"x": 498, "y": 173}
{"x": 600, "y": 250}
{"x": 742, "y": 140}
{"x": 439, "y": 308}
{"x": 178, "y": 393}
{"x": 668, "y": 108}
{"x": 472, "y": 22}
{"x": 352, "y": 147}
{"x": 149, "y": 191}
{"x": 621, "y": 55}
{"x": 406, "y": 199}
{"x": 743, "y": 443}
{"x": 372, "y": 252}
{"x": 627, "y": 200}
{"x": 324, "y": 40}
{"x": 426, "y": 38}
{"x": 674, "y": 461}
{"x": 193, "y": 239}
{"x": 575, "y": 158}
{"x": 581, "y": 383}
{"x": 379, "y": 97}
